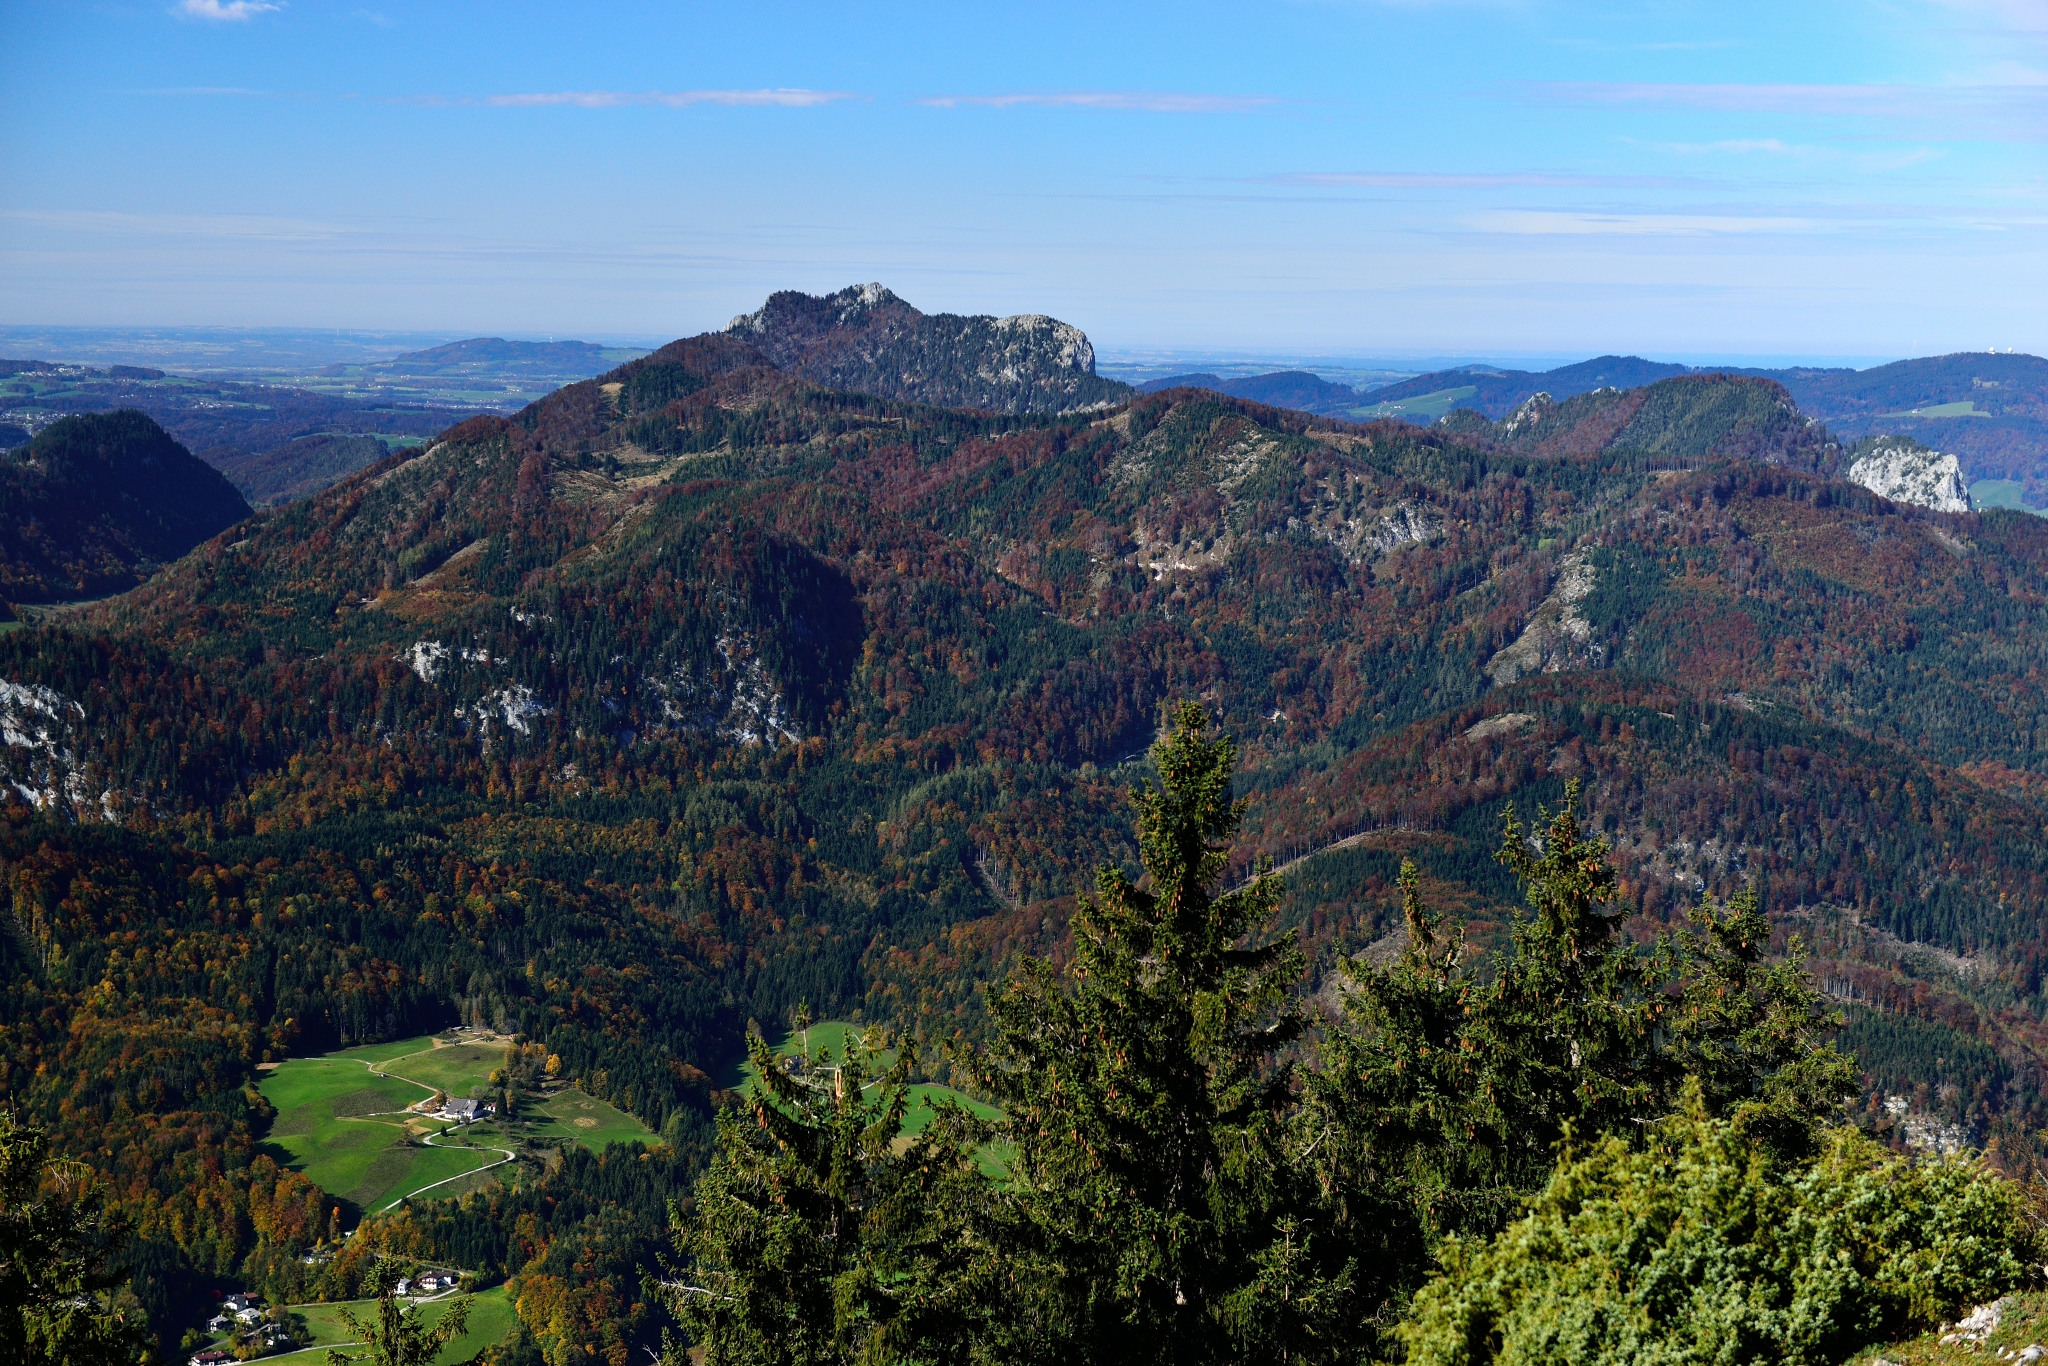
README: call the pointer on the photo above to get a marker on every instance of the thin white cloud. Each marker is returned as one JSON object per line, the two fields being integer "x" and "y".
{"x": 1453, "y": 180}
{"x": 1786, "y": 98}
{"x": 1135, "y": 101}
{"x": 1734, "y": 98}
{"x": 233, "y": 11}
{"x": 2012, "y": 111}
{"x": 672, "y": 99}
{"x": 1556, "y": 223}
{"x": 1728, "y": 146}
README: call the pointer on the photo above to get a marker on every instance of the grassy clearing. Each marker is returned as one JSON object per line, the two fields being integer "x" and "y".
{"x": 838, "y": 1035}
{"x": 342, "y": 1121}
{"x": 384, "y": 1052}
{"x": 586, "y": 1119}
{"x": 1966, "y": 408}
{"x": 925, "y": 1097}
{"x": 491, "y": 1320}
{"x": 1425, "y": 407}
{"x": 454, "y": 1069}
{"x": 2002, "y": 493}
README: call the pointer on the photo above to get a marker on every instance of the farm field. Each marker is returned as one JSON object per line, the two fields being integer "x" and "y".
{"x": 1426, "y": 407}
{"x": 342, "y": 1120}
{"x": 454, "y": 1068}
{"x": 2001, "y": 493}
{"x": 491, "y": 1320}
{"x": 586, "y": 1119}
{"x": 1965, "y": 408}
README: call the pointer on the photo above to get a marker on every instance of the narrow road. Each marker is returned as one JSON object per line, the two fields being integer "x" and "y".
{"x": 429, "y": 1141}
{"x": 371, "y": 1068}
{"x": 1347, "y": 842}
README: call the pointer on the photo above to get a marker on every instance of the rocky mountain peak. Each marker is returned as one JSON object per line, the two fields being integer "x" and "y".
{"x": 1528, "y": 415}
{"x": 868, "y": 339}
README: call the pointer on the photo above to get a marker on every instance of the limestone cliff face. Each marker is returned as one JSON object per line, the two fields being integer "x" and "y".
{"x": 1905, "y": 471}
{"x": 868, "y": 340}
{"x": 1558, "y": 639}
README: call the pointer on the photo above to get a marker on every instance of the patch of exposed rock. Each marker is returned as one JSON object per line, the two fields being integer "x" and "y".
{"x": 868, "y": 340}
{"x": 1905, "y": 471}
{"x": 1507, "y": 723}
{"x": 1557, "y": 639}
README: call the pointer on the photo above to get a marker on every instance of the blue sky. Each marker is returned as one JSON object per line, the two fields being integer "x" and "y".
{"x": 1839, "y": 177}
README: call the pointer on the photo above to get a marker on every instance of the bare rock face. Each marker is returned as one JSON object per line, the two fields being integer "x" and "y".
{"x": 1905, "y": 471}
{"x": 1558, "y": 639}
{"x": 1533, "y": 410}
{"x": 868, "y": 340}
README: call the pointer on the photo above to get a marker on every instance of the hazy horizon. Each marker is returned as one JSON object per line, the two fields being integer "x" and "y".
{"x": 287, "y": 349}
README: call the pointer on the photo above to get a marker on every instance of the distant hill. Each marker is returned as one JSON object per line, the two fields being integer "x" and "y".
{"x": 497, "y": 361}
{"x": 1691, "y": 417}
{"x": 240, "y": 429}
{"x": 96, "y": 501}
{"x": 1499, "y": 392}
{"x": 1297, "y": 389}
{"x": 1201, "y": 380}
{"x": 1990, "y": 411}
{"x": 868, "y": 340}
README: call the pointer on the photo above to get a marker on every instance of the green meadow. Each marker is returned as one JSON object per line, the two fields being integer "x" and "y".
{"x": 341, "y": 1120}
{"x": 586, "y": 1119}
{"x": 453, "y": 1069}
{"x": 1427, "y": 406}
{"x": 491, "y": 1321}
{"x": 2001, "y": 493}
{"x": 1966, "y": 408}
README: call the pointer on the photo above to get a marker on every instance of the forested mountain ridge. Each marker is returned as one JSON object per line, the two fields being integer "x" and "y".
{"x": 1693, "y": 417}
{"x": 1990, "y": 410}
{"x": 699, "y": 689}
{"x": 1496, "y": 393}
{"x": 273, "y": 441}
{"x": 96, "y": 501}
{"x": 1282, "y": 389}
{"x": 866, "y": 339}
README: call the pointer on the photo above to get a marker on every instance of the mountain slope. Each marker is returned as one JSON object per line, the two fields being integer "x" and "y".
{"x": 867, "y": 340}
{"x": 239, "y": 429}
{"x": 698, "y": 690}
{"x": 95, "y": 502}
{"x": 1496, "y": 393}
{"x": 1692, "y": 417}
{"x": 1991, "y": 411}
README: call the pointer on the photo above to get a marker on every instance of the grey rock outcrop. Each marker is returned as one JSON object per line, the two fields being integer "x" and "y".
{"x": 1905, "y": 471}
{"x": 868, "y": 340}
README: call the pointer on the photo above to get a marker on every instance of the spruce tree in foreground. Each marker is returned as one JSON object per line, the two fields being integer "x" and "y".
{"x": 397, "y": 1334}
{"x": 1439, "y": 1106}
{"x": 822, "y": 1234}
{"x": 1149, "y": 1102}
{"x": 56, "y": 1302}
